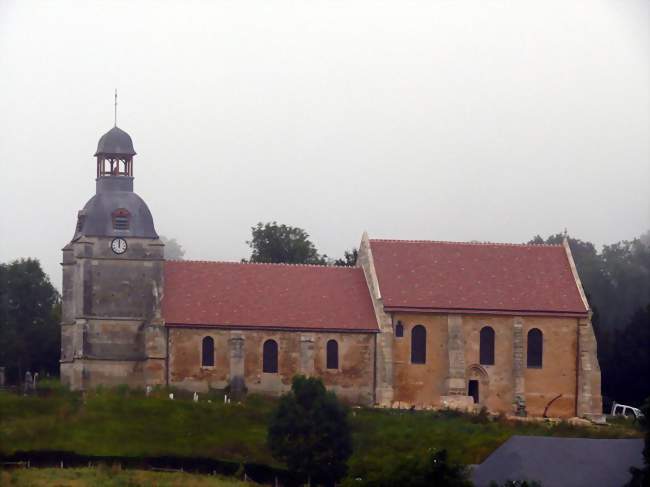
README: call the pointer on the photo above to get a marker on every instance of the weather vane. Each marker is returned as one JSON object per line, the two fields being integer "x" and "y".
{"x": 115, "y": 119}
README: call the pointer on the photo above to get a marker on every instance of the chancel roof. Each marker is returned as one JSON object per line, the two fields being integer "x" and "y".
{"x": 476, "y": 277}
{"x": 277, "y": 296}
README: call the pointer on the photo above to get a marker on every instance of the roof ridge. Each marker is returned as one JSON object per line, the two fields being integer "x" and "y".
{"x": 270, "y": 264}
{"x": 451, "y": 242}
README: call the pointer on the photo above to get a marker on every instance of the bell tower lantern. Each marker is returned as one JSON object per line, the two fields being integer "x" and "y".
{"x": 115, "y": 154}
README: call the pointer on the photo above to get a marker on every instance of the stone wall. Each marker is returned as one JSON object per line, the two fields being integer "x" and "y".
{"x": 238, "y": 355}
{"x": 111, "y": 331}
{"x": 432, "y": 383}
{"x": 384, "y": 372}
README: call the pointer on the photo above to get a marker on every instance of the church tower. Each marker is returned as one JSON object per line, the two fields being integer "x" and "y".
{"x": 111, "y": 328}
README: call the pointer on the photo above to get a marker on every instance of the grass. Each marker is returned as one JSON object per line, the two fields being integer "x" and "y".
{"x": 109, "y": 477}
{"x": 120, "y": 422}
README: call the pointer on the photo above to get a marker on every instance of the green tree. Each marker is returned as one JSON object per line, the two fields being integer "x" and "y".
{"x": 173, "y": 250}
{"x": 274, "y": 243}
{"x": 309, "y": 432}
{"x": 349, "y": 258}
{"x": 30, "y": 312}
{"x": 431, "y": 470}
{"x": 641, "y": 476}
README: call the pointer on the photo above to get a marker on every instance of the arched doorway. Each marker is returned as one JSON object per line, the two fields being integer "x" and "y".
{"x": 478, "y": 384}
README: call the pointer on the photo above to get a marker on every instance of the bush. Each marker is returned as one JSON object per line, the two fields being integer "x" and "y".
{"x": 432, "y": 470}
{"x": 309, "y": 432}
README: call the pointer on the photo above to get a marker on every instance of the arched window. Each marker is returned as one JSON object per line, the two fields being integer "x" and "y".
{"x": 535, "y": 349}
{"x": 207, "y": 352}
{"x": 486, "y": 346}
{"x": 270, "y": 357}
{"x": 418, "y": 345}
{"x": 332, "y": 354}
{"x": 399, "y": 330}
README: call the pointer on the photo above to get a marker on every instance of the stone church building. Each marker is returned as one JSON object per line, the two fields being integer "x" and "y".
{"x": 414, "y": 323}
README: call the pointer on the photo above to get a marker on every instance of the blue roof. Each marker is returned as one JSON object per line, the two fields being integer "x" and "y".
{"x": 561, "y": 462}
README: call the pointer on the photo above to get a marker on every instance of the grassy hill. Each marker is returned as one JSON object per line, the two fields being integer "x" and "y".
{"x": 109, "y": 477}
{"x": 121, "y": 422}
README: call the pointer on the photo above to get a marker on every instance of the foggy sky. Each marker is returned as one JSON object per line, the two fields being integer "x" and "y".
{"x": 444, "y": 120}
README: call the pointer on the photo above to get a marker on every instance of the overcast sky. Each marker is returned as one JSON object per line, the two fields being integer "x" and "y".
{"x": 444, "y": 120}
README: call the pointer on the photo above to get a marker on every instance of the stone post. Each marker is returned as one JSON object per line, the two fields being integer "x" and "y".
{"x": 307, "y": 355}
{"x": 589, "y": 400}
{"x": 236, "y": 346}
{"x": 519, "y": 392}
{"x": 456, "y": 385}
{"x": 384, "y": 339}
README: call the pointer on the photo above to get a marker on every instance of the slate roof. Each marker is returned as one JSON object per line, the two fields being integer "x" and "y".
{"x": 561, "y": 462}
{"x": 278, "y": 296}
{"x": 476, "y": 277}
{"x": 115, "y": 142}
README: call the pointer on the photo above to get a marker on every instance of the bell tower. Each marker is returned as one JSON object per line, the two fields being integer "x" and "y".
{"x": 111, "y": 327}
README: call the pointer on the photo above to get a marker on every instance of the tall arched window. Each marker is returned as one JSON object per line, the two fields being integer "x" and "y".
{"x": 535, "y": 349}
{"x": 399, "y": 330}
{"x": 418, "y": 345}
{"x": 332, "y": 354}
{"x": 486, "y": 346}
{"x": 207, "y": 352}
{"x": 270, "y": 357}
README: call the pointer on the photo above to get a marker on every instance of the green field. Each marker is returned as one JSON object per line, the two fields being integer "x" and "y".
{"x": 109, "y": 477}
{"x": 120, "y": 422}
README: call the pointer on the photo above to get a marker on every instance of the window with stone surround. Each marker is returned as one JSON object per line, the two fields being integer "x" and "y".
{"x": 207, "y": 352}
{"x": 399, "y": 329}
{"x": 486, "y": 346}
{"x": 418, "y": 345}
{"x": 535, "y": 349}
{"x": 270, "y": 357}
{"x": 332, "y": 354}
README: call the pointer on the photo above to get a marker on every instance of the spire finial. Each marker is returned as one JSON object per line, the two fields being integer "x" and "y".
{"x": 115, "y": 120}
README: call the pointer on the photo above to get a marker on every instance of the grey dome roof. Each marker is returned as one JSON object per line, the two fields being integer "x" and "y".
{"x": 96, "y": 216}
{"x": 115, "y": 142}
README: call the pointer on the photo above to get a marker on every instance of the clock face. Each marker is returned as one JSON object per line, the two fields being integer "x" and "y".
{"x": 118, "y": 245}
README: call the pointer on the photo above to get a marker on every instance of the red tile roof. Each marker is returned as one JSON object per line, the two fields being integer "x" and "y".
{"x": 278, "y": 296}
{"x": 476, "y": 277}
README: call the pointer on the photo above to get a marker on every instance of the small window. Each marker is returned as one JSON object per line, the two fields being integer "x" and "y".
{"x": 270, "y": 357}
{"x": 418, "y": 345}
{"x": 535, "y": 349}
{"x": 486, "y": 346}
{"x": 207, "y": 352}
{"x": 399, "y": 330}
{"x": 332, "y": 354}
{"x": 121, "y": 219}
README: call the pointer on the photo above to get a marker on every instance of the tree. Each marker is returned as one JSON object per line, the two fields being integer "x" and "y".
{"x": 275, "y": 243}
{"x": 431, "y": 470}
{"x": 349, "y": 258}
{"x": 626, "y": 365}
{"x": 173, "y": 250}
{"x": 309, "y": 432}
{"x": 30, "y": 313}
{"x": 641, "y": 476}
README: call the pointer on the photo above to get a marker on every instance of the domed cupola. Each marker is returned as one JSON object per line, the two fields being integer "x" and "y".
{"x": 115, "y": 210}
{"x": 115, "y": 142}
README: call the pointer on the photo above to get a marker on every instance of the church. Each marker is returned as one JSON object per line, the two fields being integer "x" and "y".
{"x": 414, "y": 324}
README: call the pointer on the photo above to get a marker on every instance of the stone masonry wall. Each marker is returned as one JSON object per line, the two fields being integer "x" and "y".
{"x": 425, "y": 384}
{"x": 298, "y": 353}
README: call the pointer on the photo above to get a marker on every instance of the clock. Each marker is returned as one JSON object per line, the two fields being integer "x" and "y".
{"x": 118, "y": 245}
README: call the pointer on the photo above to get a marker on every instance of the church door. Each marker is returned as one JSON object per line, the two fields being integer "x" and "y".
{"x": 472, "y": 390}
